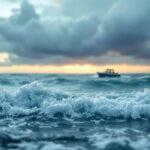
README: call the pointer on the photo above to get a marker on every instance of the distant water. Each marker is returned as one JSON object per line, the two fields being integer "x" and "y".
{"x": 74, "y": 112}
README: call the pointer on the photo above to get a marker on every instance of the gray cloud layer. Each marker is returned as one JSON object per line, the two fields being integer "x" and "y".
{"x": 123, "y": 28}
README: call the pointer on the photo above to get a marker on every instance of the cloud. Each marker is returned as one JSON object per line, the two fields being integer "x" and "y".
{"x": 123, "y": 28}
{"x": 126, "y": 29}
{"x": 26, "y": 14}
{"x": 78, "y": 8}
{"x": 31, "y": 37}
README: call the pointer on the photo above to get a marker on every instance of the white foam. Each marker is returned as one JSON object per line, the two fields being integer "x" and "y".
{"x": 54, "y": 146}
{"x": 33, "y": 98}
{"x": 118, "y": 137}
{"x": 141, "y": 143}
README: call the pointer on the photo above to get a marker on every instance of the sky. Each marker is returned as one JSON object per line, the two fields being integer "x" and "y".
{"x": 74, "y": 36}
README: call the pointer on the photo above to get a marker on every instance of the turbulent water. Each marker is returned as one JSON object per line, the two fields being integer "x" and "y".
{"x": 74, "y": 112}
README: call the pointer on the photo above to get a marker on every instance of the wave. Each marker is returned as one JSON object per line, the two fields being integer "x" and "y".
{"x": 95, "y": 83}
{"x": 83, "y": 81}
{"x": 125, "y": 81}
{"x": 33, "y": 98}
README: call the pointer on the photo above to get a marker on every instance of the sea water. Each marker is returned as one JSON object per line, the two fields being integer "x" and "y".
{"x": 74, "y": 112}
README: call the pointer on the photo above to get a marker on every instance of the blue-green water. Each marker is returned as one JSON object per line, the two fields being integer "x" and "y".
{"x": 74, "y": 112}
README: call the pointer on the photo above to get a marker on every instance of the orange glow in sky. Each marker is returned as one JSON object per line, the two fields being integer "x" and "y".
{"x": 69, "y": 69}
{"x": 73, "y": 69}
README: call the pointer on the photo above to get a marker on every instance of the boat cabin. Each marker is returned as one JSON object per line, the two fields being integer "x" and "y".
{"x": 109, "y": 71}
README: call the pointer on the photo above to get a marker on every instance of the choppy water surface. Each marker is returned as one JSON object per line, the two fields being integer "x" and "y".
{"x": 74, "y": 112}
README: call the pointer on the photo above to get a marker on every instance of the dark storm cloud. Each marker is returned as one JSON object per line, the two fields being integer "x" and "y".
{"x": 31, "y": 37}
{"x": 26, "y": 14}
{"x": 124, "y": 29}
{"x": 127, "y": 29}
{"x": 78, "y": 8}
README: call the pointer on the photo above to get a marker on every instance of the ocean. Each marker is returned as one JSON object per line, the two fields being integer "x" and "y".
{"x": 74, "y": 112}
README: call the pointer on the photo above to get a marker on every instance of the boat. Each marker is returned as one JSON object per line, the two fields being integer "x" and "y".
{"x": 108, "y": 73}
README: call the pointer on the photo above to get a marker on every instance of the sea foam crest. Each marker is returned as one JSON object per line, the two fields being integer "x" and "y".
{"x": 34, "y": 98}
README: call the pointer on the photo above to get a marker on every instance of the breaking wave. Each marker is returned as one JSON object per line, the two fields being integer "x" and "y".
{"x": 34, "y": 99}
